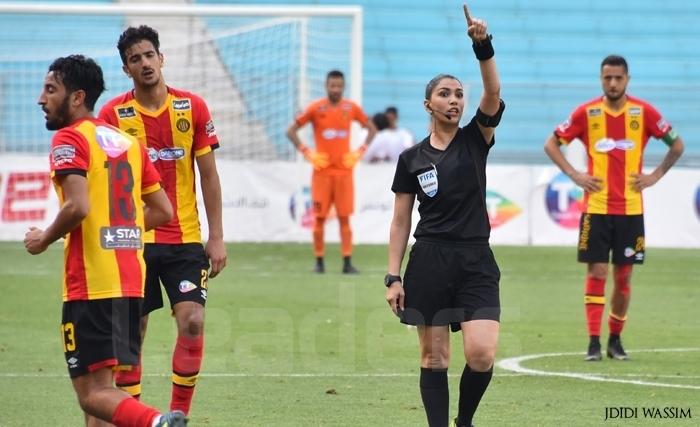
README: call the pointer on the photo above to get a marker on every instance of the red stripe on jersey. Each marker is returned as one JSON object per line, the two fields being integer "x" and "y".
{"x": 616, "y": 165}
{"x": 75, "y": 284}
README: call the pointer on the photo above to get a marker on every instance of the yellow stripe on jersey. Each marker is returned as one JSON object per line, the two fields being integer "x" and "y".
{"x": 182, "y": 129}
{"x": 597, "y": 130}
{"x": 203, "y": 151}
{"x": 190, "y": 381}
{"x": 594, "y": 299}
{"x": 634, "y": 127}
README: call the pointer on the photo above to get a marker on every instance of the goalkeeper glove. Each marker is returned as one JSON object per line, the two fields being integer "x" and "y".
{"x": 318, "y": 160}
{"x": 351, "y": 158}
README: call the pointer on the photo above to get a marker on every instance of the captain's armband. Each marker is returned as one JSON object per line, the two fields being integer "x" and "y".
{"x": 490, "y": 121}
{"x": 670, "y": 137}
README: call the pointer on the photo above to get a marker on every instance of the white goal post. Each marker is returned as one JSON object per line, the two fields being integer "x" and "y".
{"x": 256, "y": 66}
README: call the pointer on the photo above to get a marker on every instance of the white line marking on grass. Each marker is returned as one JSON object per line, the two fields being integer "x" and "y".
{"x": 513, "y": 364}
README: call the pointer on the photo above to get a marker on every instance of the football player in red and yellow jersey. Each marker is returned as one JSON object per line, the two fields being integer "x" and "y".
{"x": 103, "y": 178}
{"x": 176, "y": 128}
{"x": 614, "y": 129}
{"x": 333, "y": 162}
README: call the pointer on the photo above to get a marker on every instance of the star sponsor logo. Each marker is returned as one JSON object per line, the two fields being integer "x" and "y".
{"x": 186, "y": 286}
{"x": 152, "y": 154}
{"x": 593, "y": 112}
{"x": 126, "y": 112}
{"x": 564, "y": 201}
{"x": 182, "y": 104}
{"x": 120, "y": 237}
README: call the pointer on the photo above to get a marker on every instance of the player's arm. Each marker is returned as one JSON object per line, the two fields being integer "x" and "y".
{"x": 211, "y": 194}
{"x": 318, "y": 160}
{"x": 490, "y": 106}
{"x": 157, "y": 209}
{"x": 552, "y": 147}
{"x": 74, "y": 209}
{"x": 675, "y": 151}
{"x": 398, "y": 240}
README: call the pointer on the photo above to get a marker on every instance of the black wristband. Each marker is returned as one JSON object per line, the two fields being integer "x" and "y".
{"x": 391, "y": 278}
{"x": 484, "y": 48}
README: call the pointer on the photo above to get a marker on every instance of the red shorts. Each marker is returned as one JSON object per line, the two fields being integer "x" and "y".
{"x": 327, "y": 190}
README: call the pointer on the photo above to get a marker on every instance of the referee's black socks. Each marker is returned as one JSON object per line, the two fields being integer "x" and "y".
{"x": 471, "y": 387}
{"x": 436, "y": 396}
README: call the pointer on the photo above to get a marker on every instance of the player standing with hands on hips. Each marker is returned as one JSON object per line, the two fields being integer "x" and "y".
{"x": 615, "y": 129}
{"x": 452, "y": 279}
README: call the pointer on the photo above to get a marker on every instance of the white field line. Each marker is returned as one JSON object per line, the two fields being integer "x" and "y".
{"x": 514, "y": 364}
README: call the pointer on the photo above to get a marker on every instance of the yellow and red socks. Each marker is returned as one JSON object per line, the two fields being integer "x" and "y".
{"x": 187, "y": 359}
{"x": 132, "y": 413}
{"x": 472, "y": 386}
{"x": 129, "y": 380}
{"x": 435, "y": 395}
{"x": 594, "y": 301}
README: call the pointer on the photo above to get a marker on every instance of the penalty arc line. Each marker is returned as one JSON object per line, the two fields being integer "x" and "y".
{"x": 514, "y": 364}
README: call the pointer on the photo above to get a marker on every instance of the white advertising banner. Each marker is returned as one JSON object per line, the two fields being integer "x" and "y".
{"x": 270, "y": 202}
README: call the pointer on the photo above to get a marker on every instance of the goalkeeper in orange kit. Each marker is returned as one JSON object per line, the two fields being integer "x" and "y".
{"x": 333, "y": 161}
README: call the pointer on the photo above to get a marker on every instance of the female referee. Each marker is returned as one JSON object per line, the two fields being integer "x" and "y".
{"x": 451, "y": 279}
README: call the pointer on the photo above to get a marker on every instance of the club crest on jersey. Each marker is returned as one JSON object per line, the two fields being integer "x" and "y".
{"x": 120, "y": 237}
{"x": 126, "y": 112}
{"x": 183, "y": 125}
{"x": 112, "y": 142}
{"x": 428, "y": 182}
{"x": 182, "y": 104}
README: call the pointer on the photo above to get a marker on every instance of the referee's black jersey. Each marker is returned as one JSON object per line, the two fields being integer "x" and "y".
{"x": 450, "y": 186}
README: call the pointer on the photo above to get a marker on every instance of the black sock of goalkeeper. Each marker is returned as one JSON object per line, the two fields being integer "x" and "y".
{"x": 471, "y": 387}
{"x": 436, "y": 396}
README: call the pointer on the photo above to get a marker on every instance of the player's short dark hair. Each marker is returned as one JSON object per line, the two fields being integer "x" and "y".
{"x": 430, "y": 87}
{"x": 392, "y": 110}
{"x": 380, "y": 121}
{"x": 335, "y": 74}
{"x": 77, "y": 72}
{"x": 614, "y": 61}
{"x": 133, "y": 35}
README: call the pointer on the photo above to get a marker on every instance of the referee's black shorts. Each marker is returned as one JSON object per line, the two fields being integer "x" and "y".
{"x": 448, "y": 283}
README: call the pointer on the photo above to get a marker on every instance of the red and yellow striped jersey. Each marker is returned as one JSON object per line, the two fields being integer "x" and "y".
{"x": 615, "y": 143}
{"x": 103, "y": 256}
{"x": 331, "y": 125}
{"x": 175, "y": 134}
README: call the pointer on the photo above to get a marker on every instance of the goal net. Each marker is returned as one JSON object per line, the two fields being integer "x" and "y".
{"x": 255, "y": 66}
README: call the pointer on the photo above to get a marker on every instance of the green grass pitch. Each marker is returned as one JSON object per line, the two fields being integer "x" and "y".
{"x": 285, "y": 347}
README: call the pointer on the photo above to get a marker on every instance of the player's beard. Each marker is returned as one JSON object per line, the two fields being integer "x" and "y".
{"x": 614, "y": 97}
{"x": 60, "y": 117}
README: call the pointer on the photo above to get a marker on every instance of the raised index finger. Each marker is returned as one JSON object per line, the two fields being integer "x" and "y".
{"x": 466, "y": 14}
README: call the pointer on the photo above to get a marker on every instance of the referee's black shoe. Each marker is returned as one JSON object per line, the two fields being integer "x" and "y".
{"x": 593, "y": 354}
{"x": 615, "y": 350}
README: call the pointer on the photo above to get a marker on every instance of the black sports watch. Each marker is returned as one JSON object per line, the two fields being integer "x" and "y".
{"x": 391, "y": 278}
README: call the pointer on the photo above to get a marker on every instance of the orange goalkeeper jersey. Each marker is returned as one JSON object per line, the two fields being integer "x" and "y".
{"x": 179, "y": 131}
{"x": 615, "y": 143}
{"x": 331, "y": 124}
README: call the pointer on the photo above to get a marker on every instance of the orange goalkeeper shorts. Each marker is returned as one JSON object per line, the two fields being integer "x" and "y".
{"x": 327, "y": 190}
